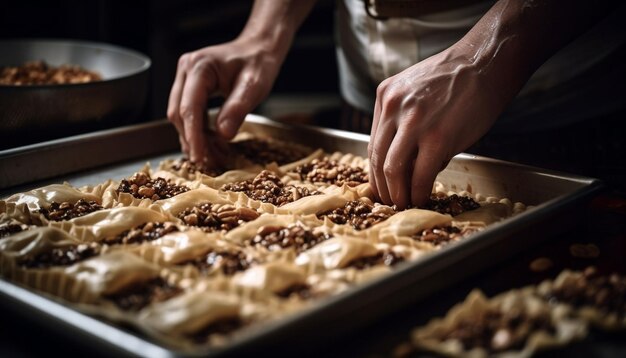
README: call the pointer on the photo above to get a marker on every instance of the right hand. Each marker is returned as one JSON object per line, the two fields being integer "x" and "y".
{"x": 243, "y": 71}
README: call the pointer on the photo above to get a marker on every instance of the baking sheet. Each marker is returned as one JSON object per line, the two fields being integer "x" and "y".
{"x": 92, "y": 158}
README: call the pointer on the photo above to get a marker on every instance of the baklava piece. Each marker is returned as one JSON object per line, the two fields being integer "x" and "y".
{"x": 331, "y": 172}
{"x": 217, "y": 217}
{"x": 138, "y": 296}
{"x": 67, "y": 210}
{"x": 275, "y": 238}
{"x": 149, "y": 231}
{"x": 268, "y": 188}
{"x": 359, "y": 214}
{"x": 141, "y": 186}
{"x": 600, "y": 299}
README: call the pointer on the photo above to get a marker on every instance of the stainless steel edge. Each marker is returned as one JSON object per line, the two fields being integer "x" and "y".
{"x": 86, "y": 151}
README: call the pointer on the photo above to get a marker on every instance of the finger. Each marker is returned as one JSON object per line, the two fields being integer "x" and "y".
{"x": 427, "y": 165}
{"x": 200, "y": 82}
{"x": 398, "y": 167}
{"x": 370, "y": 147}
{"x": 384, "y": 137}
{"x": 247, "y": 93}
{"x": 173, "y": 106}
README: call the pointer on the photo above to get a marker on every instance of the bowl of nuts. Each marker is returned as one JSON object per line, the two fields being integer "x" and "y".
{"x": 54, "y": 88}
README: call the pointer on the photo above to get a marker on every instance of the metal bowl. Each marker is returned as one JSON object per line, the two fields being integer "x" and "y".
{"x": 36, "y": 112}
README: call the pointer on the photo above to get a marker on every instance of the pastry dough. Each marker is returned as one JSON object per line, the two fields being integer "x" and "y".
{"x": 187, "y": 255}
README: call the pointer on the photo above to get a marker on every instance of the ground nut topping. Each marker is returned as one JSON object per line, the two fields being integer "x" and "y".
{"x": 141, "y": 186}
{"x": 498, "y": 331}
{"x": 359, "y": 214}
{"x": 215, "y": 217}
{"x": 9, "y": 229}
{"x": 607, "y": 293}
{"x": 331, "y": 172}
{"x": 440, "y": 236}
{"x": 229, "y": 262}
{"x": 62, "y": 256}
{"x": 387, "y": 258}
{"x": 453, "y": 204}
{"x": 275, "y": 238}
{"x": 264, "y": 152}
{"x": 190, "y": 167}
{"x": 268, "y": 188}
{"x": 142, "y": 294}
{"x": 145, "y": 232}
{"x": 40, "y": 73}
{"x": 66, "y": 211}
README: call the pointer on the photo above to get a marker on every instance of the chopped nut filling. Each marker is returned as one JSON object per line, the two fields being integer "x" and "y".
{"x": 145, "y": 232}
{"x": 141, "y": 186}
{"x": 498, "y": 331}
{"x": 275, "y": 238}
{"x": 331, "y": 172}
{"x": 229, "y": 262}
{"x": 440, "y": 236}
{"x": 215, "y": 217}
{"x": 606, "y": 293}
{"x": 222, "y": 326}
{"x": 453, "y": 204}
{"x": 40, "y": 73}
{"x": 67, "y": 211}
{"x": 9, "y": 229}
{"x": 268, "y": 188}
{"x": 264, "y": 152}
{"x": 387, "y": 258}
{"x": 190, "y": 167}
{"x": 62, "y": 256}
{"x": 303, "y": 291}
{"x": 139, "y": 295}
{"x": 359, "y": 214}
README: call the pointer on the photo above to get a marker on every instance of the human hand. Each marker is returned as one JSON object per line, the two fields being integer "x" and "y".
{"x": 243, "y": 71}
{"x": 423, "y": 116}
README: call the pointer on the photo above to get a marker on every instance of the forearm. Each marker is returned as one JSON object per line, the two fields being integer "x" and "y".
{"x": 515, "y": 37}
{"x": 275, "y": 22}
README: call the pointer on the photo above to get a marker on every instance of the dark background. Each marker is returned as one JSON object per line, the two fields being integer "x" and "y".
{"x": 165, "y": 29}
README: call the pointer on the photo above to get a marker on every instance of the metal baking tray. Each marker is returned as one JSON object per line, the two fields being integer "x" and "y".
{"x": 92, "y": 158}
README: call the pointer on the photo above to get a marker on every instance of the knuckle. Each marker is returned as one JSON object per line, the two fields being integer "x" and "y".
{"x": 186, "y": 112}
{"x": 390, "y": 169}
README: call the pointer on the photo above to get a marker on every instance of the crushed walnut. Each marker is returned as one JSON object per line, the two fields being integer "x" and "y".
{"x": 605, "y": 292}
{"x": 228, "y": 262}
{"x": 331, "y": 172}
{"x": 453, "y": 204}
{"x": 67, "y": 211}
{"x": 387, "y": 258}
{"x": 141, "y": 186}
{"x": 268, "y": 188}
{"x": 190, "y": 167}
{"x": 40, "y": 73}
{"x": 275, "y": 238}
{"x": 440, "y": 236}
{"x": 215, "y": 217}
{"x": 62, "y": 256}
{"x": 142, "y": 294}
{"x": 263, "y": 152}
{"x": 359, "y": 214}
{"x": 145, "y": 232}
